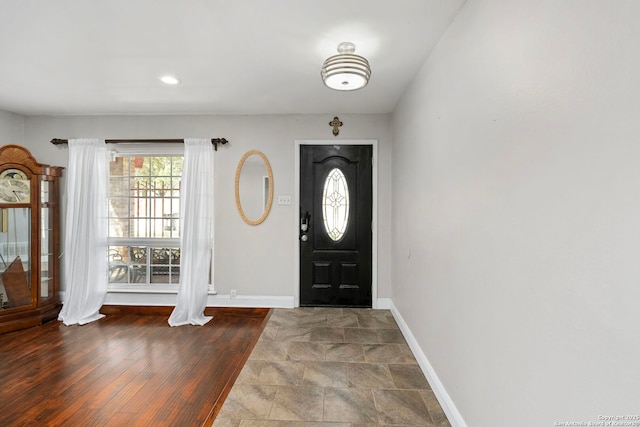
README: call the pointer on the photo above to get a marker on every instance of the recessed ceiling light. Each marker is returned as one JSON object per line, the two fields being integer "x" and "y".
{"x": 170, "y": 80}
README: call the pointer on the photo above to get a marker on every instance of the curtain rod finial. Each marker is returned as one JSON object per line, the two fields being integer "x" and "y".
{"x": 217, "y": 141}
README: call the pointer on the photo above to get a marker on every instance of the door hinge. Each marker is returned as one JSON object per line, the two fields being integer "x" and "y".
{"x": 372, "y": 161}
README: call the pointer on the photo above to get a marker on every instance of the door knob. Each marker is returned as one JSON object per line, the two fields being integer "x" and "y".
{"x": 304, "y": 237}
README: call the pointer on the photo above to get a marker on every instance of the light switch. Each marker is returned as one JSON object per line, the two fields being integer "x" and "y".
{"x": 284, "y": 200}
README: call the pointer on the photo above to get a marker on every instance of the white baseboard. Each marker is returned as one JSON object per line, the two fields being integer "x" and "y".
{"x": 383, "y": 304}
{"x": 169, "y": 299}
{"x": 252, "y": 301}
{"x": 449, "y": 408}
{"x": 141, "y": 299}
{"x": 213, "y": 300}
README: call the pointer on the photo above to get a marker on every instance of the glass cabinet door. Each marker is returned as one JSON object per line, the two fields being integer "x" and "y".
{"x": 15, "y": 258}
{"x": 47, "y": 261}
{"x": 29, "y": 240}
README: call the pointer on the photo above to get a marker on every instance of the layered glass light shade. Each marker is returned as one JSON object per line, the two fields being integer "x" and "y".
{"x": 346, "y": 71}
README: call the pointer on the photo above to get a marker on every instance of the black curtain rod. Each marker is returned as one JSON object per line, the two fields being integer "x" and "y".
{"x": 214, "y": 141}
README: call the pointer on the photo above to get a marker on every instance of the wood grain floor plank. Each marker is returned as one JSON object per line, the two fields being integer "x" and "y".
{"x": 125, "y": 369}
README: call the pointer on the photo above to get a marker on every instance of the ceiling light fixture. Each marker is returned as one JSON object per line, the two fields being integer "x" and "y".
{"x": 170, "y": 80}
{"x": 346, "y": 71}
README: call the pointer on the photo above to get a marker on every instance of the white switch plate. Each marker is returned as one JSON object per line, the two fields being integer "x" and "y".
{"x": 284, "y": 200}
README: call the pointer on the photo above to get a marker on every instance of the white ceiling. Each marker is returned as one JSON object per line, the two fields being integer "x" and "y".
{"x": 60, "y": 57}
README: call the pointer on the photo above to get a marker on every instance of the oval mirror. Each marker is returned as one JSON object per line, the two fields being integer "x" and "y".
{"x": 254, "y": 187}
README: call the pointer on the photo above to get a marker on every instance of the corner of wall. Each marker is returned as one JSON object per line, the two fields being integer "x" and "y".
{"x": 447, "y": 404}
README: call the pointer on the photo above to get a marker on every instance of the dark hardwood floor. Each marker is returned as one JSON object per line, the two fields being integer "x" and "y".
{"x": 125, "y": 369}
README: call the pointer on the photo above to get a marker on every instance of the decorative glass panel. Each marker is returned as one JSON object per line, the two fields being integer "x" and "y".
{"x": 335, "y": 204}
{"x": 15, "y": 259}
{"x": 47, "y": 261}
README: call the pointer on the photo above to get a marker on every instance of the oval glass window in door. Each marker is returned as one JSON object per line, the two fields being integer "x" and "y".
{"x": 335, "y": 204}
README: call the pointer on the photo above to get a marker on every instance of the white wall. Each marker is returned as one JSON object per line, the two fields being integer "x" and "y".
{"x": 516, "y": 219}
{"x": 11, "y": 128}
{"x": 253, "y": 260}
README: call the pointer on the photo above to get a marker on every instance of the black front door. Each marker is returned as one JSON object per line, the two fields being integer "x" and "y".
{"x": 335, "y": 225}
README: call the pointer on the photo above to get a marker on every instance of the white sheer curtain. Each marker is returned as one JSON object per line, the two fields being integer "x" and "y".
{"x": 85, "y": 257}
{"x": 196, "y": 215}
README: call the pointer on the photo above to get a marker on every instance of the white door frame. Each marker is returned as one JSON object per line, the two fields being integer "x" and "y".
{"x": 374, "y": 213}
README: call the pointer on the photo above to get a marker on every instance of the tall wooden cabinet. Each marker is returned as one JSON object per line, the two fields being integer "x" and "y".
{"x": 29, "y": 239}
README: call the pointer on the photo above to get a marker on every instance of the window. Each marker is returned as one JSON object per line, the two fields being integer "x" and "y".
{"x": 335, "y": 204}
{"x": 144, "y": 226}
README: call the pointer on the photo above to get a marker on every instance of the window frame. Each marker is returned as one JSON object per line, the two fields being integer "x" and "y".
{"x": 143, "y": 150}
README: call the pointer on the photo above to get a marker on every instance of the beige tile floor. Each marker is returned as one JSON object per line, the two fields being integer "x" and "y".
{"x": 333, "y": 367}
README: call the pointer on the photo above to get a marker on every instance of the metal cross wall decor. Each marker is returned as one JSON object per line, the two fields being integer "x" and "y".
{"x": 335, "y": 123}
